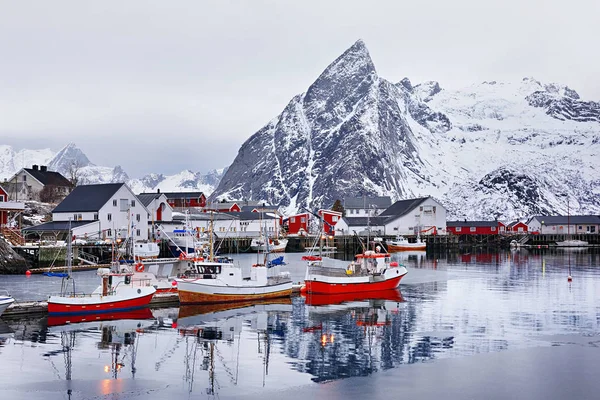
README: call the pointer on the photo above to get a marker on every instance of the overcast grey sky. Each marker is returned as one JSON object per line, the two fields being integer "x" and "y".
{"x": 161, "y": 86}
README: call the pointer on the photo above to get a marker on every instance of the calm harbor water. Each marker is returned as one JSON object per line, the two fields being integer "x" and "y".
{"x": 451, "y": 310}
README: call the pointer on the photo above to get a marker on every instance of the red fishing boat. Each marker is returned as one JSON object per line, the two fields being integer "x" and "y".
{"x": 372, "y": 270}
{"x": 116, "y": 293}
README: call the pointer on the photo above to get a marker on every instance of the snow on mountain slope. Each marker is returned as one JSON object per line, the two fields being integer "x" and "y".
{"x": 71, "y": 162}
{"x": 493, "y": 149}
{"x": 12, "y": 161}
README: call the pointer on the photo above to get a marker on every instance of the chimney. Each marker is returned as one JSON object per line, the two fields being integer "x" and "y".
{"x": 157, "y": 190}
{"x": 43, "y": 168}
{"x": 34, "y": 167}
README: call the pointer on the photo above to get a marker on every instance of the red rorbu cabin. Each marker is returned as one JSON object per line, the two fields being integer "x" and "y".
{"x": 475, "y": 227}
{"x": 298, "y": 224}
{"x": 185, "y": 199}
{"x": 331, "y": 218}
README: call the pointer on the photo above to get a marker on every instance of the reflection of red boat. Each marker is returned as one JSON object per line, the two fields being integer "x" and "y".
{"x": 313, "y": 299}
{"x": 142, "y": 313}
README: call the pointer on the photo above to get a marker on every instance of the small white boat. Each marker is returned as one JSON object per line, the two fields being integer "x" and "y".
{"x": 401, "y": 243}
{"x": 5, "y": 301}
{"x": 572, "y": 243}
{"x": 274, "y": 245}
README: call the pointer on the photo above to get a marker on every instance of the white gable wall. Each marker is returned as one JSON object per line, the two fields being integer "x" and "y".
{"x": 112, "y": 221}
{"x": 429, "y": 213}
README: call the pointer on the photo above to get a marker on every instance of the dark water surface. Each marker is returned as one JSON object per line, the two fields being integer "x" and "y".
{"x": 480, "y": 325}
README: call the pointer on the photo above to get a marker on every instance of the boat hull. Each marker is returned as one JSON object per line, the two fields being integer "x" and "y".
{"x": 63, "y": 305}
{"x": 5, "y": 302}
{"x": 317, "y": 299}
{"x": 337, "y": 285}
{"x": 196, "y": 292}
{"x": 278, "y": 247}
{"x": 406, "y": 247}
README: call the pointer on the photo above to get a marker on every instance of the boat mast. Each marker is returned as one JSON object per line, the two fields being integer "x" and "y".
{"x": 65, "y": 280}
{"x": 210, "y": 230}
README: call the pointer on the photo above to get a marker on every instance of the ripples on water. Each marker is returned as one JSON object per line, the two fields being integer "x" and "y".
{"x": 447, "y": 307}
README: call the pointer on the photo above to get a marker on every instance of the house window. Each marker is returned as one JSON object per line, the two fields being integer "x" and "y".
{"x": 24, "y": 178}
{"x": 501, "y": 229}
{"x": 137, "y": 232}
{"x": 458, "y": 229}
{"x": 2, "y": 198}
{"x": 95, "y": 216}
{"x": 132, "y": 203}
{"x": 473, "y": 229}
{"x": 493, "y": 229}
{"x": 580, "y": 227}
{"x": 109, "y": 217}
{"x": 334, "y": 218}
{"x": 74, "y": 217}
{"x": 302, "y": 219}
{"x": 137, "y": 217}
{"x": 421, "y": 208}
{"x": 114, "y": 203}
{"x": 293, "y": 220}
{"x": 434, "y": 209}
{"x": 520, "y": 229}
{"x": 109, "y": 232}
{"x": 124, "y": 204}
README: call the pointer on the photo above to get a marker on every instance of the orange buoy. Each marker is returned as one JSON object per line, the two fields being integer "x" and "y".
{"x": 28, "y": 273}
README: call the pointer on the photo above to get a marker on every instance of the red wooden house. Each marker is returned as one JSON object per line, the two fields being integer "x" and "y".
{"x": 297, "y": 224}
{"x": 3, "y": 213}
{"x": 331, "y": 218}
{"x": 475, "y": 227}
{"x": 185, "y": 199}
{"x": 224, "y": 206}
{"x": 517, "y": 227}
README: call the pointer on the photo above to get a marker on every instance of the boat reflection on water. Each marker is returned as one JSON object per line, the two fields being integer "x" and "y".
{"x": 356, "y": 335}
{"x": 5, "y": 333}
{"x": 117, "y": 333}
{"x": 90, "y": 320}
{"x": 205, "y": 327}
{"x": 392, "y": 295}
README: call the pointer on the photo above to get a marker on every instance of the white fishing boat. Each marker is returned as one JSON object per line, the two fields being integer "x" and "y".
{"x": 402, "y": 244}
{"x": 274, "y": 245}
{"x": 5, "y": 301}
{"x": 217, "y": 279}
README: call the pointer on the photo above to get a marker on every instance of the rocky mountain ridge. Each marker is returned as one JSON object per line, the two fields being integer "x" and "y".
{"x": 493, "y": 149}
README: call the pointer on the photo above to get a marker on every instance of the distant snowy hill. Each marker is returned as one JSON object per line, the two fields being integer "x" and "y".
{"x": 490, "y": 150}
{"x": 71, "y": 160}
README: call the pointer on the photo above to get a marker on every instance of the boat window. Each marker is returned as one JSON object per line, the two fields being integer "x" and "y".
{"x": 127, "y": 279}
{"x": 110, "y": 280}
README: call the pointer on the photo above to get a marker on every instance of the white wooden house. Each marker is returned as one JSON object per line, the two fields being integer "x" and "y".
{"x": 366, "y": 206}
{"x": 423, "y": 215}
{"x": 99, "y": 212}
{"x": 157, "y": 205}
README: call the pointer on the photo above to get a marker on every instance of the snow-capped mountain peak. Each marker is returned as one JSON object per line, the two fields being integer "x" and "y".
{"x": 493, "y": 149}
